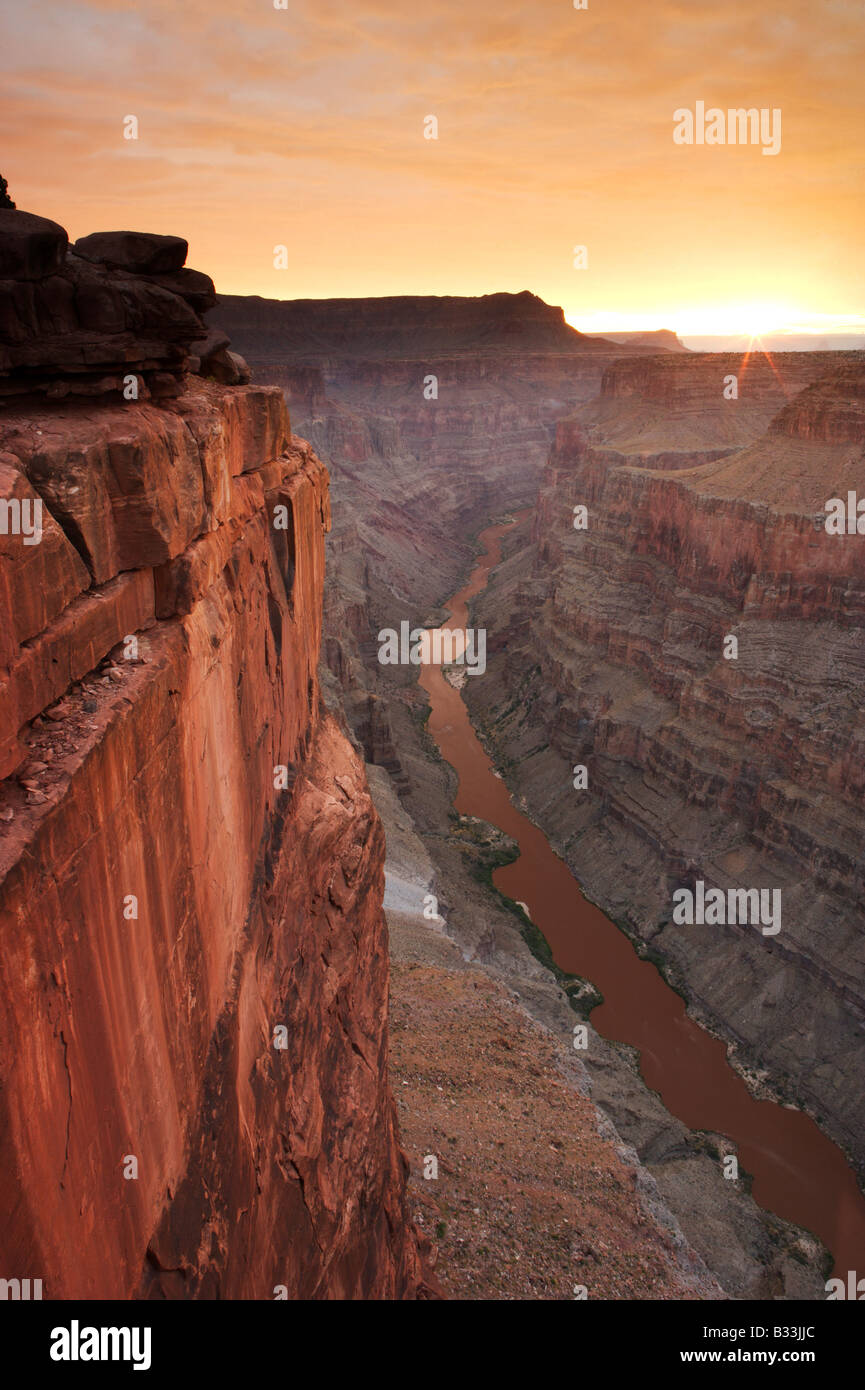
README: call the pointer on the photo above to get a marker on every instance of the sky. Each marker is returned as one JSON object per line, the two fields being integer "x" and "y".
{"x": 303, "y": 127}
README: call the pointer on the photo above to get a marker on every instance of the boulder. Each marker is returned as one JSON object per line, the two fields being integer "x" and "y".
{"x": 31, "y": 247}
{"x": 192, "y": 285}
{"x": 145, "y": 253}
{"x": 229, "y": 368}
{"x": 205, "y": 349}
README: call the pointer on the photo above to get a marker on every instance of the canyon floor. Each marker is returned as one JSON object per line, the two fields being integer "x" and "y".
{"x": 541, "y": 1188}
{"x": 530, "y": 1199}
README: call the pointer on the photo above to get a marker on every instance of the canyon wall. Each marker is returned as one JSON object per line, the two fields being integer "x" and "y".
{"x": 194, "y": 980}
{"x": 609, "y": 652}
{"x": 433, "y": 414}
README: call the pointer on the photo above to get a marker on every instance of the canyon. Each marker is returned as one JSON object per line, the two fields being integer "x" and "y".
{"x": 277, "y": 1017}
{"x": 606, "y": 651}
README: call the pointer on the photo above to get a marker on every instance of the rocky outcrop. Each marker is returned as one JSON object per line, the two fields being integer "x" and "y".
{"x": 742, "y": 769}
{"x": 117, "y": 315}
{"x": 194, "y": 982}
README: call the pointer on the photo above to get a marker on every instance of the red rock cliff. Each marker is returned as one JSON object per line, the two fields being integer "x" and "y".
{"x": 194, "y": 977}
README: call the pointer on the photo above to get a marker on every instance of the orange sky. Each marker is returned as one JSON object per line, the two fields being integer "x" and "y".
{"x": 304, "y": 127}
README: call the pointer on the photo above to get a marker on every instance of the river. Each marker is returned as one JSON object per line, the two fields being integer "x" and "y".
{"x": 798, "y": 1172}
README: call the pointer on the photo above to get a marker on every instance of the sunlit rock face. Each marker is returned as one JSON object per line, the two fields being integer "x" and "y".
{"x": 194, "y": 977}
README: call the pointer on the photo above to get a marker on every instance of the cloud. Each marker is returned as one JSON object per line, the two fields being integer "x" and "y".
{"x": 555, "y": 127}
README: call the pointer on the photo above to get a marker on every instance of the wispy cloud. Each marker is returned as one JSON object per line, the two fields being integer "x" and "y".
{"x": 304, "y": 127}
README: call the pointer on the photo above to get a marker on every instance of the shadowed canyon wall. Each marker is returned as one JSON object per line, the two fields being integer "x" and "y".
{"x": 194, "y": 977}
{"x": 433, "y": 414}
{"x": 608, "y": 650}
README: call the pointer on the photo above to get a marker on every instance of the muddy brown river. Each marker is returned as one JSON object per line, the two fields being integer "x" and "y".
{"x": 798, "y": 1173}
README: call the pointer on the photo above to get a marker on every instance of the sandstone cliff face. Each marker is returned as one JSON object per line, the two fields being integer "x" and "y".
{"x": 193, "y": 988}
{"x": 743, "y": 772}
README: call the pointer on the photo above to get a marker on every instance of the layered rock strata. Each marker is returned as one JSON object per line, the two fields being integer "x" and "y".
{"x": 433, "y": 414}
{"x": 742, "y": 770}
{"x": 194, "y": 981}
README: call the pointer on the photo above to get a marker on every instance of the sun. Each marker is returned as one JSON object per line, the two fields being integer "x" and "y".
{"x": 744, "y": 322}
{"x": 747, "y": 320}
{"x": 752, "y": 320}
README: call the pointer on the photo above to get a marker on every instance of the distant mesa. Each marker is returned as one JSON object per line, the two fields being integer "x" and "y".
{"x": 85, "y": 320}
{"x": 405, "y": 326}
{"x": 661, "y": 339}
